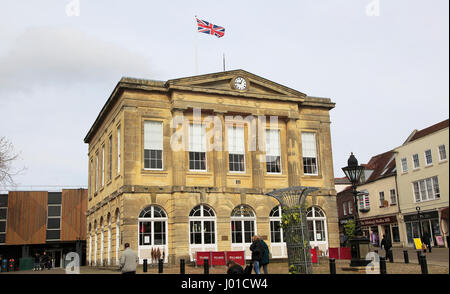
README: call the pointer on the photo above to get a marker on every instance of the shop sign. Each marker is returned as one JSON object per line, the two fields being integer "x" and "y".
{"x": 424, "y": 215}
{"x": 379, "y": 221}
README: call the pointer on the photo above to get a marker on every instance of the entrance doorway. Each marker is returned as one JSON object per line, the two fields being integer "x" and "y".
{"x": 55, "y": 256}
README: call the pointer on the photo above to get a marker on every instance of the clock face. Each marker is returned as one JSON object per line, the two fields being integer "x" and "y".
{"x": 240, "y": 83}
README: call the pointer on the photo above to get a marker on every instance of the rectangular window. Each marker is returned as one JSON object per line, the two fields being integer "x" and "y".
{"x": 309, "y": 153}
{"x": 103, "y": 165}
{"x": 442, "y": 153}
{"x": 197, "y": 147}
{"x": 54, "y": 215}
{"x": 3, "y": 217}
{"x": 96, "y": 171}
{"x": 381, "y": 198}
{"x": 118, "y": 150}
{"x": 153, "y": 145}
{"x": 393, "y": 196}
{"x": 273, "y": 151}
{"x": 428, "y": 157}
{"x": 364, "y": 202}
{"x": 426, "y": 189}
{"x": 416, "y": 162}
{"x": 344, "y": 206}
{"x": 236, "y": 149}
{"x": 110, "y": 158}
{"x": 395, "y": 233}
{"x": 275, "y": 231}
{"x": 350, "y": 207}
{"x": 404, "y": 165}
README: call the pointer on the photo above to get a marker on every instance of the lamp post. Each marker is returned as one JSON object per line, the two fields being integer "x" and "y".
{"x": 359, "y": 244}
{"x": 419, "y": 217}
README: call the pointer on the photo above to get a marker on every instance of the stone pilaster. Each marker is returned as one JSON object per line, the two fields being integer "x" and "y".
{"x": 293, "y": 152}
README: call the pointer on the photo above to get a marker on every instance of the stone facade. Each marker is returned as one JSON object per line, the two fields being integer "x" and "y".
{"x": 120, "y": 188}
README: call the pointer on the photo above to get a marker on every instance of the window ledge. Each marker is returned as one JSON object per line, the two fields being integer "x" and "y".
{"x": 118, "y": 176}
{"x": 393, "y": 204}
{"x": 239, "y": 175}
{"x": 109, "y": 182}
{"x": 198, "y": 173}
{"x": 154, "y": 171}
{"x": 442, "y": 161}
{"x": 428, "y": 165}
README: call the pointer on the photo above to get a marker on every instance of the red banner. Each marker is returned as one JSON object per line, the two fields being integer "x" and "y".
{"x": 333, "y": 253}
{"x": 218, "y": 258}
{"x": 237, "y": 256}
{"x": 314, "y": 258}
{"x": 202, "y": 255}
{"x": 344, "y": 253}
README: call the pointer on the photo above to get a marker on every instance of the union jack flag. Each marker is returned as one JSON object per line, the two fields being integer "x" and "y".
{"x": 209, "y": 28}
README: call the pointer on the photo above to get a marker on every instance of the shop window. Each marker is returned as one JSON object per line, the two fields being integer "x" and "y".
{"x": 316, "y": 221}
{"x": 152, "y": 226}
{"x": 202, "y": 223}
{"x": 276, "y": 232}
{"x": 242, "y": 224}
{"x": 395, "y": 233}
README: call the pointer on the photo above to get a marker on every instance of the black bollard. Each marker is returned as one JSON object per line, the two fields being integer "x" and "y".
{"x": 332, "y": 266}
{"x": 144, "y": 266}
{"x": 160, "y": 266}
{"x": 418, "y": 255}
{"x": 382, "y": 265}
{"x": 405, "y": 255}
{"x": 423, "y": 264}
{"x": 182, "y": 267}
{"x": 206, "y": 266}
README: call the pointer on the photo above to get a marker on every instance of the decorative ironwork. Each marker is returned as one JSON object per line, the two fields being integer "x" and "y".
{"x": 292, "y": 201}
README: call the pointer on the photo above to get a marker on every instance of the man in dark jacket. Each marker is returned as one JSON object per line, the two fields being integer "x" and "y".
{"x": 426, "y": 240}
{"x": 257, "y": 250}
{"x": 265, "y": 257}
{"x": 234, "y": 268}
{"x": 46, "y": 260}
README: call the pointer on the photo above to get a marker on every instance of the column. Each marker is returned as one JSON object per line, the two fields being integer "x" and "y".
{"x": 178, "y": 156}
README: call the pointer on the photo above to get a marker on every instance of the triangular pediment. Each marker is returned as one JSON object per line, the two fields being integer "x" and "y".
{"x": 225, "y": 82}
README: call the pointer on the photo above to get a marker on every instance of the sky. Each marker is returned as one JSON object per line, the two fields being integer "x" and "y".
{"x": 385, "y": 63}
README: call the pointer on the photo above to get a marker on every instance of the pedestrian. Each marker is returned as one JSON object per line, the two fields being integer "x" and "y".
{"x": 427, "y": 241}
{"x": 386, "y": 243}
{"x": 266, "y": 256}
{"x": 37, "y": 262}
{"x": 257, "y": 252}
{"x": 128, "y": 260}
{"x": 45, "y": 260}
{"x": 234, "y": 268}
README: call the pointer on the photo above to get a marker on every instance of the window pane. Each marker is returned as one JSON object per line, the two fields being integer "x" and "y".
{"x": 54, "y": 197}
{"x": 3, "y": 213}
{"x": 2, "y": 238}
{"x": 54, "y": 223}
{"x": 54, "y": 211}
{"x": 2, "y": 226}
{"x": 3, "y": 200}
{"x": 53, "y": 234}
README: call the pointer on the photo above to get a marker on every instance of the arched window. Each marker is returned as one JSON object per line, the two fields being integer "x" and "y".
{"x": 90, "y": 243}
{"x": 242, "y": 224}
{"x": 109, "y": 238}
{"x": 202, "y": 225}
{"x": 317, "y": 225}
{"x": 152, "y": 226}
{"x": 102, "y": 229}
{"x": 117, "y": 218}
{"x": 95, "y": 242}
{"x": 276, "y": 232}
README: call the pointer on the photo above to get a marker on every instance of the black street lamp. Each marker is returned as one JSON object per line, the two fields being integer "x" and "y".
{"x": 359, "y": 244}
{"x": 419, "y": 217}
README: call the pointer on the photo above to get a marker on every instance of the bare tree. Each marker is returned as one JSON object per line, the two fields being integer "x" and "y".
{"x": 7, "y": 157}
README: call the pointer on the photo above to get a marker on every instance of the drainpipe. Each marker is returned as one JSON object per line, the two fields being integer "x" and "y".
{"x": 399, "y": 209}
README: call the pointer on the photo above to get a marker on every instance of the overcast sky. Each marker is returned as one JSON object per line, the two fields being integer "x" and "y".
{"x": 384, "y": 63}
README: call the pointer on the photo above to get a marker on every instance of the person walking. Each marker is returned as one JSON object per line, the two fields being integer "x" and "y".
{"x": 257, "y": 252}
{"x": 234, "y": 268}
{"x": 427, "y": 241}
{"x": 265, "y": 257}
{"x": 37, "y": 262}
{"x": 387, "y": 244}
{"x": 128, "y": 260}
{"x": 45, "y": 261}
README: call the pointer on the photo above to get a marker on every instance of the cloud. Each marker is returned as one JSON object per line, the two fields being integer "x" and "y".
{"x": 64, "y": 55}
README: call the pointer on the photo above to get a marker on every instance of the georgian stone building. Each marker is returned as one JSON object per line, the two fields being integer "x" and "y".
{"x": 162, "y": 176}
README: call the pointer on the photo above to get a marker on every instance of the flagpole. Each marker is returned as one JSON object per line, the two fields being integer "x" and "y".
{"x": 223, "y": 61}
{"x": 196, "y": 47}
